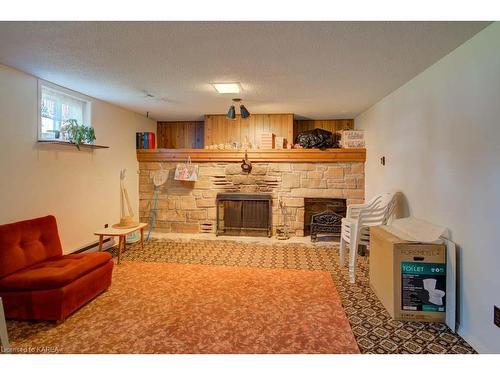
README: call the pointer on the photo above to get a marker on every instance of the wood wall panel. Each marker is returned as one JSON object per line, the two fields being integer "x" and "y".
{"x": 219, "y": 129}
{"x": 180, "y": 134}
{"x": 330, "y": 125}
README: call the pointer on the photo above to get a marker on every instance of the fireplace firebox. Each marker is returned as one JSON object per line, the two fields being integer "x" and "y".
{"x": 243, "y": 214}
{"x": 324, "y": 214}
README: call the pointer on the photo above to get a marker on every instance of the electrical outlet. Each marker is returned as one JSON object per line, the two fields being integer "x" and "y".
{"x": 105, "y": 225}
{"x": 382, "y": 160}
{"x": 496, "y": 316}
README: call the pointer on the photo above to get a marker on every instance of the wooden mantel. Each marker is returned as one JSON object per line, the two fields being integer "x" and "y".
{"x": 296, "y": 155}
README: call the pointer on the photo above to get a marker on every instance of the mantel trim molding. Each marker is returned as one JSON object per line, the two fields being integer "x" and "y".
{"x": 294, "y": 155}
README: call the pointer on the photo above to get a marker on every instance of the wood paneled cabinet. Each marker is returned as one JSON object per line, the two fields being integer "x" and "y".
{"x": 217, "y": 129}
{"x": 180, "y": 134}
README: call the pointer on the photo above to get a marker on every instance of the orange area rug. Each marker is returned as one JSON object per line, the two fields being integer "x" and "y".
{"x": 182, "y": 308}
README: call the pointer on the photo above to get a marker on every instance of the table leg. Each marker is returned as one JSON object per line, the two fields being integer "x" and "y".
{"x": 4, "y": 338}
{"x": 119, "y": 248}
{"x": 100, "y": 242}
{"x": 142, "y": 239}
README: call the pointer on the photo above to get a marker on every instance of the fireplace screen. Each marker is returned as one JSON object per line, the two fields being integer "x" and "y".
{"x": 240, "y": 214}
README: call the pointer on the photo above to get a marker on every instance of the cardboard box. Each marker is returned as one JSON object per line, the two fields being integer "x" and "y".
{"x": 409, "y": 278}
{"x": 267, "y": 140}
{"x": 279, "y": 142}
{"x": 353, "y": 139}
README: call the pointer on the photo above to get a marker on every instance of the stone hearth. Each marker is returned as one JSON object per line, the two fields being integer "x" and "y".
{"x": 189, "y": 207}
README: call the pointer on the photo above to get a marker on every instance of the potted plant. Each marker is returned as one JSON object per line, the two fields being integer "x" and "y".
{"x": 78, "y": 133}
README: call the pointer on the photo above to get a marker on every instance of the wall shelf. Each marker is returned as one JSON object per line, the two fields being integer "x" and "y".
{"x": 294, "y": 155}
{"x": 63, "y": 143}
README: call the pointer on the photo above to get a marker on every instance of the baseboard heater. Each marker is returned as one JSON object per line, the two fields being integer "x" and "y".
{"x": 92, "y": 245}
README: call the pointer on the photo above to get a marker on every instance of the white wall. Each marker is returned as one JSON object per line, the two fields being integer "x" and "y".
{"x": 81, "y": 188}
{"x": 440, "y": 134}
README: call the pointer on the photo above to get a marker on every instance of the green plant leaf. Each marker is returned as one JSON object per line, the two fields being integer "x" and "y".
{"x": 78, "y": 133}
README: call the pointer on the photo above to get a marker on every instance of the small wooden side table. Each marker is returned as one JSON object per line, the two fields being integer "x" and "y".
{"x": 122, "y": 234}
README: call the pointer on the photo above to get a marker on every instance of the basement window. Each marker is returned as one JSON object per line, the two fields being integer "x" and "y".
{"x": 56, "y": 105}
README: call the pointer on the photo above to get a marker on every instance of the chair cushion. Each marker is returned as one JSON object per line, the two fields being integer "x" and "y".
{"x": 26, "y": 243}
{"x": 55, "y": 272}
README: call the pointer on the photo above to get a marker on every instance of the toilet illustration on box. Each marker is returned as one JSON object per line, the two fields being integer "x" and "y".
{"x": 435, "y": 295}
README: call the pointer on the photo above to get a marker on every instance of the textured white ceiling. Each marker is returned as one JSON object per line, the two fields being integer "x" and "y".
{"x": 312, "y": 69}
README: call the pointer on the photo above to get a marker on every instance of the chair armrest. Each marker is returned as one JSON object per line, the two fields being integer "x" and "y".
{"x": 353, "y": 210}
{"x": 350, "y": 222}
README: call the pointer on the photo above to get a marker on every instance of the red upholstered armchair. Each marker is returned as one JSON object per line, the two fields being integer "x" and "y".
{"x": 37, "y": 281}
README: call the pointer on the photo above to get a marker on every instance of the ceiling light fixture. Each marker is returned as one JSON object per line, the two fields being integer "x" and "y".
{"x": 244, "y": 112}
{"x": 231, "y": 114}
{"x": 227, "y": 88}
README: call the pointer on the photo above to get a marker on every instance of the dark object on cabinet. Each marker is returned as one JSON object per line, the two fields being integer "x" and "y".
{"x": 317, "y": 138}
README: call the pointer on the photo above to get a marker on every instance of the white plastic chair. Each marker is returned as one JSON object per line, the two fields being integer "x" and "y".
{"x": 356, "y": 226}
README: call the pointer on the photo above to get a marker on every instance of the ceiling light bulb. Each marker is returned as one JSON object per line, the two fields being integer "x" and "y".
{"x": 227, "y": 88}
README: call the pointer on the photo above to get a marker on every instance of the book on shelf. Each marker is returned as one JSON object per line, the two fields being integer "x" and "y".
{"x": 138, "y": 141}
{"x": 151, "y": 140}
{"x": 145, "y": 140}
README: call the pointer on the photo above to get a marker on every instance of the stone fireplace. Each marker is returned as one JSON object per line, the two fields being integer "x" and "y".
{"x": 190, "y": 207}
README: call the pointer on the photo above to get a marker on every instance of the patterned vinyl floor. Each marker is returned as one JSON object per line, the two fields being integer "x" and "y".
{"x": 374, "y": 329}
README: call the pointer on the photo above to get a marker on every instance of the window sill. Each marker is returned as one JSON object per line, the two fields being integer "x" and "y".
{"x": 63, "y": 143}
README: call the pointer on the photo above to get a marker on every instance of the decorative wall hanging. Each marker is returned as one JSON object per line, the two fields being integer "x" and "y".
{"x": 159, "y": 179}
{"x": 186, "y": 171}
